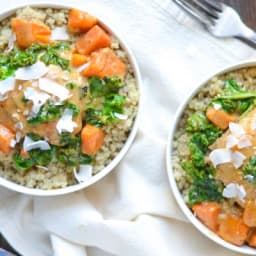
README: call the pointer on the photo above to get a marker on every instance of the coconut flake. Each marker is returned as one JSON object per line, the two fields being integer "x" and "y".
{"x": 121, "y": 116}
{"x": 7, "y": 85}
{"x": 34, "y": 71}
{"x": 223, "y": 155}
{"x": 19, "y": 125}
{"x": 59, "y": 33}
{"x": 237, "y": 159}
{"x": 30, "y": 144}
{"x": 11, "y": 42}
{"x": 220, "y": 156}
{"x": 217, "y": 106}
{"x": 38, "y": 98}
{"x": 244, "y": 142}
{"x": 234, "y": 190}
{"x": 82, "y": 67}
{"x": 54, "y": 88}
{"x": 84, "y": 174}
{"x": 236, "y": 129}
{"x": 12, "y": 143}
{"x": 231, "y": 141}
{"x": 26, "y": 112}
{"x": 18, "y": 136}
{"x": 249, "y": 177}
{"x": 65, "y": 123}
{"x": 42, "y": 167}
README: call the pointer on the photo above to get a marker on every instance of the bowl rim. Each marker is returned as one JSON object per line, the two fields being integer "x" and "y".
{"x": 120, "y": 155}
{"x": 169, "y": 151}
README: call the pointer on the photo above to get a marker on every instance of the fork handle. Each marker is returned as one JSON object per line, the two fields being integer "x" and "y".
{"x": 248, "y": 40}
{"x": 248, "y": 36}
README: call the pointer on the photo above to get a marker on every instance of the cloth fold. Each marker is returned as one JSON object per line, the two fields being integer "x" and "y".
{"x": 131, "y": 211}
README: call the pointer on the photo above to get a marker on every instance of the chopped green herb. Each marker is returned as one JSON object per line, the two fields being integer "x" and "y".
{"x": 69, "y": 139}
{"x": 20, "y": 163}
{"x": 70, "y": 85}
{"x": 104, "y": 87}
{"x": 250, "y": 169}
{"x": 19, "y": 58}
{"x": 197, "y": 122}
{"x": 49, "y": 54}
{"x": 52, "y": 57}
{"x": 109, "y": 103}
{"x": 70, "y": 153}
{"x": 204, "y": 186}
{"x": 198, "y": 147}
{"x": 41, "y": 157}
{"x": 234, "y": 98}
{"x": 94, "y": 117}
{"x": 204, "y": 134}
{"x": 50, "y": 112}
{"x": 5, "y": 72}
{"x": 207, "y": 189}
{"x": 85, "y": 159}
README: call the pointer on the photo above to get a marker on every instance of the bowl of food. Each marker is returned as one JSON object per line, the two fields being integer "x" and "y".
{"x": 69, "y": 97}
{"x": 211, "y": 157}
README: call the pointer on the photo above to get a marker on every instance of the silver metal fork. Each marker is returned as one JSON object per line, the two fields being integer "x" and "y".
{"x": 219, "y": 19}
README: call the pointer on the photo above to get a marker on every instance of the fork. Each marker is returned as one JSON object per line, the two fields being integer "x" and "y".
{"x": 219, "y": 19}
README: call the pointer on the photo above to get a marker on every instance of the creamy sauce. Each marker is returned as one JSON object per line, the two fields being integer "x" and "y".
{"x": 226, "y": 172}
{"x": 14, "y": 110}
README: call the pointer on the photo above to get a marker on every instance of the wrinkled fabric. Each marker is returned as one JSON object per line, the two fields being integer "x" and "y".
{"x": 131, "y": 211}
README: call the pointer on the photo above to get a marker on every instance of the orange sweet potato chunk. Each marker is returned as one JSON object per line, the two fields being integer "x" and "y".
{"x": 220, "y": 118}
{"x": 92, "y": 139}
{"x": 208, "y": 213}
{"x": 233, "y": 230}
{"x": 28, "y": 32}
{"x": 93, "y": 40}
{"x": 79, "y": 21}
{"x": 249, "y": 215}
{"x": 6, "y": 135}
{"x": 105, "y": 63}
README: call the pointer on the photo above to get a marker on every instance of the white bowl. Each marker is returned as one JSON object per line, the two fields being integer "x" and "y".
{"x": 201, "y": 227}
{"x": 53, "y": 192}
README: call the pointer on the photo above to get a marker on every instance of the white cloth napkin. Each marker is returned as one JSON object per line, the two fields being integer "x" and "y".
{"x": 131, "y": 211}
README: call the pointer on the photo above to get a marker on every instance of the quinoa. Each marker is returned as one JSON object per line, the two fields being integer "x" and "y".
{"x": 116, "y": 133}
{"x": 244, "y": 76}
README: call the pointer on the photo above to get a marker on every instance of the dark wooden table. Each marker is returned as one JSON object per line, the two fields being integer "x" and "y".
{"x": 247, "y": 9}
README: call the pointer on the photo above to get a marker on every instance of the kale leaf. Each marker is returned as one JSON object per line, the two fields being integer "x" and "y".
{"x": 104, "y": 87}
{"x": 42, "y": 157}
{"x": 50, "y": 112}
{"x": 197, "y": 122}
{"x": 204, "y": 187}
{"x": 20, "y": 163}
{"x": 49, "y": 54}
{"x": 204, "y": 134}
{"x": 198, "y": 147}
{"x": 109, "y": 101}
{"x": 234, "y": 98}
{"x": 250, "y": 170}
{"x": 70, "y": 153}
{"x": 201, "y": 176}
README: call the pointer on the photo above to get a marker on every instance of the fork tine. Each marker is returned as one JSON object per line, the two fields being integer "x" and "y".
{"x": 206, "y": 8}
{"x": 213, "y": 4}
{"x": 194, "y": 12}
